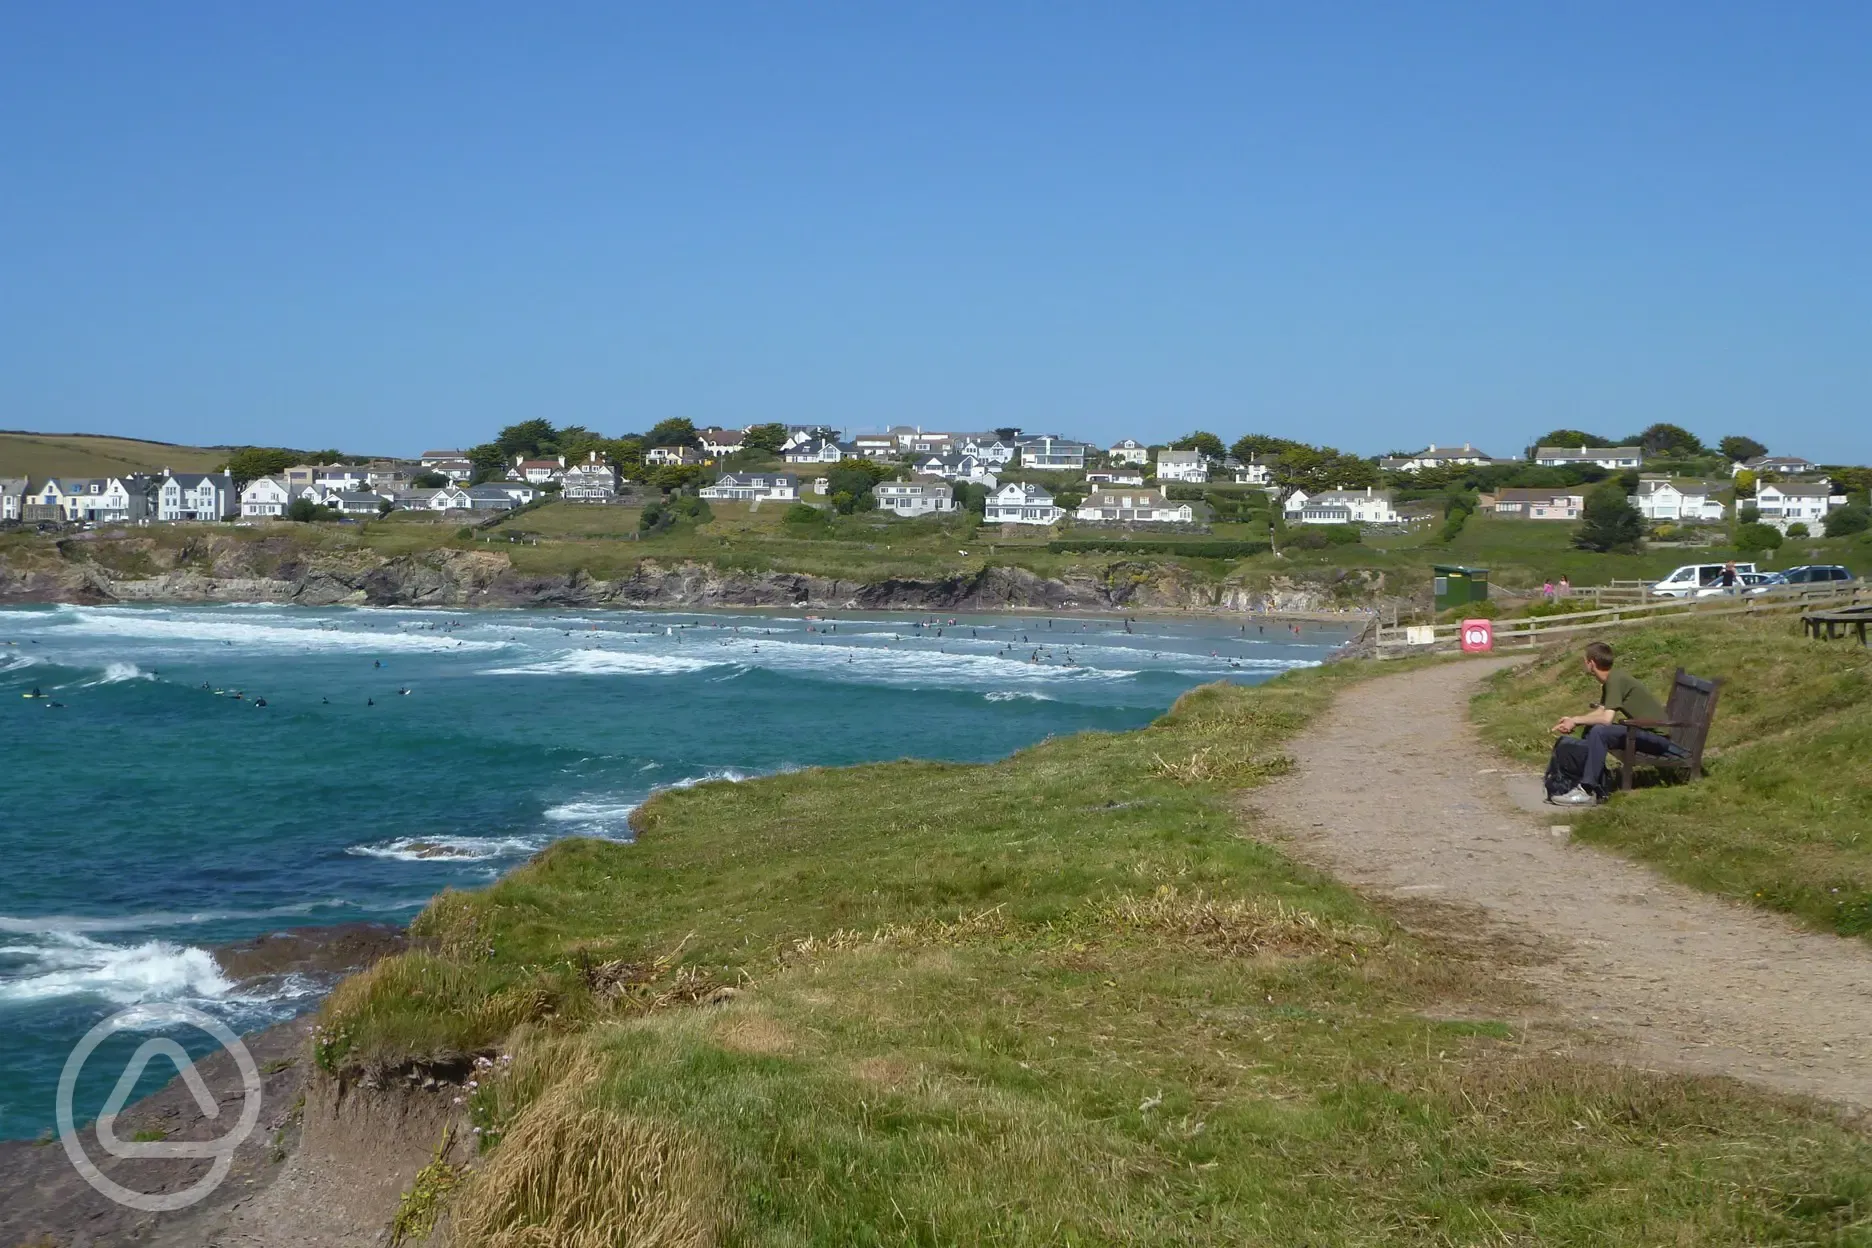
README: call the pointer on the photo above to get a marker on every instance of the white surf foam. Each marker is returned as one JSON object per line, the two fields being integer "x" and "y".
{"x": 593, "y": 814}
{"x": 449, "y": 848}
{"x": 14, "y": 662}
{"x": 69, "y": 964}
{"x": 274, "y": 632}
{"x": 52, "y": 924}
{"x": 606, "y": 663}
{"x": 117, "y": 673}
{"x": 1009, "y": 695}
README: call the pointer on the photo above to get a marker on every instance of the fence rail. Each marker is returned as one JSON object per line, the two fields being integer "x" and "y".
{"x": 1528, "y": 634}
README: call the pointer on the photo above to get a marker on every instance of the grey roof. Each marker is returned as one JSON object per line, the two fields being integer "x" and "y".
{"x": 1036, "y": 495}
{"x": 1801, "y": 489}
{"x": 190, "y": 480}
{"x": 1587, "y": 452}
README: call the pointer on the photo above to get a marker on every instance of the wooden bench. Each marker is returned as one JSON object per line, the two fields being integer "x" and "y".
{"x": 1834, "y": 622}
{"x": 1688, "y": 715}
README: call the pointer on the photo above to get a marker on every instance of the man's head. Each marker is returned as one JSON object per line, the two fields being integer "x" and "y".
{"x": 1599, "y": 660}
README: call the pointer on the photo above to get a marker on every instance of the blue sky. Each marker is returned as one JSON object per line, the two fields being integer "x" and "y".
{"x": 389, "y": 226}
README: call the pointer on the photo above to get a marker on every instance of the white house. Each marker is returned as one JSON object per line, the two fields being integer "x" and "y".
{"x": 1435, "y": 456}
{"x": 1021, "y": 503}
{"x": 12, "y": 498}
{"x": 1782, "y": 503}
{"x": 672, "y": 456}
{"x": 450, "y": 498}
{"x": 519, "y": 491}
{"x": 491, "y": 496}
{"x": 716, "y": 441}
{"x": 922, "y": 497}
{"x": 1129, "y": 451}
{"x": 264, "y": 498}
{"x": 96, "y": 500}
{"x": 456, "y": 470}
{"x": 429, "y": 459}
{"x": 328, "y": 476}
{"x": 363, "y": 503}
{"x": 817, "y": 451}
{"x": 1109, "y": 477}
{"x": 1611, "y": 458}
{"x": 954, "y": 467}
{"x": 1052, "y": 454}
{"x": 988, "y": 448}
{"x": 779, "y": 487}
{"x": 1189, "y": 466}
{"x": 195, "y": 496}
{"x": 1367, "y": 506}
{"x": 537, "y": 471}
{"x": 1786, "y": 465}
{"x": 875, "y": 446}
{"x": 593, "y": 481}
{"x": 1254, "y": 472}
{"x": 1661, "y": 499}
{"x": 1536, "y": 504}
{"x": 1133, "y": 507}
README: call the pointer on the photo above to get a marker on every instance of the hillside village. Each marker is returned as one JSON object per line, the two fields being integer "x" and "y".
{"x": 1664, "y": 482}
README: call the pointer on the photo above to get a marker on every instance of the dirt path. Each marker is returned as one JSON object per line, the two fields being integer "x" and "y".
{"x": 1394, "y": 795}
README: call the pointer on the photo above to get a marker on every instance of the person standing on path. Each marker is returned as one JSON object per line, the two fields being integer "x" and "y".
{"x": 1620, "y": 697}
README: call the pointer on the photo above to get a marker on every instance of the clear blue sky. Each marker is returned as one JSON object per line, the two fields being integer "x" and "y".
{"x": 387, "y": 226}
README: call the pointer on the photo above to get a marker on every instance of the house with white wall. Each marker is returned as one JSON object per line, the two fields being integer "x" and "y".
{"x": 1660, "y": 499}
{"x": 753, "y": 487}
{"x": 1021, "y": 502}
{"x": 1535, "y": 504}
{"x": 1133, "y": 507}
{"x": 589, "y": 481}
{"x": 1783, "y": 503}
{"x": 1435, "y": 456}
{"x": 265, "y": 498}
{"x": 1129, "y": 451}
{"x": 197, "y": 496}
{"x": 1611, "y": 458}
{"x": 988, "y": 447}
{"x": 1187, "y": 466}
{"x": 921, "y": 497}
{"x": 717, "y": 442}
{"x": 1052, "y": 454}
{"x": 1785, "y": 465}
{"x": 12, "y": 498}
{"x": 1254, "y": 472}
{"x": 1367, "y": 506}
{"x": 818, "y": 451}
{"x": 429, "y": 459}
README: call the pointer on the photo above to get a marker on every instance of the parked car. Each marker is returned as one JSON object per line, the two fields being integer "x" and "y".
{"x": 1747, "y": 582}
{"x": 1806, "y": 574}
{"x": 1692, "y": 578}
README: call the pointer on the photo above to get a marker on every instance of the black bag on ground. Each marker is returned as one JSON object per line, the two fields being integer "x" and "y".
{"x": 1566, "y": 767}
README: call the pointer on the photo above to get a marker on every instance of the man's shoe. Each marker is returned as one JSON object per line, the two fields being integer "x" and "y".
{"x": 1576, "y": 796}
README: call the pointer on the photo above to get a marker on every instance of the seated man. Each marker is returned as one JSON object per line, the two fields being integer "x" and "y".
{"x": 1621, "y": 697}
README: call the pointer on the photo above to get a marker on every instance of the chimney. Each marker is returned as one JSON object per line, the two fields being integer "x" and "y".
{"x": 1432, "y": 450}
{"x": 1467, "y": 447}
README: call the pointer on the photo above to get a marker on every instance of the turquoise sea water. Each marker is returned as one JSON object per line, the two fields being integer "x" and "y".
{"x": 150, "y": 813}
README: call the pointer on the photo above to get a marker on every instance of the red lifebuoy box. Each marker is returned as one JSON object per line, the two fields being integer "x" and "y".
{"x": 1478, "y": 636}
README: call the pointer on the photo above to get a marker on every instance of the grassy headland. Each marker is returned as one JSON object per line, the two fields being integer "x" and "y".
{"x": 41, "y": 455}
{"x": 1056, "y": 999}
{"x": 1784, "y": 817}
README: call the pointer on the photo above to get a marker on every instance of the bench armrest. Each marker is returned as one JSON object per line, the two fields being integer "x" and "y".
{"x": 1655, "y": 723}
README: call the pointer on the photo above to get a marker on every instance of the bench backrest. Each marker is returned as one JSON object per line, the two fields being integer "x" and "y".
{"x": 1693, "y": 704}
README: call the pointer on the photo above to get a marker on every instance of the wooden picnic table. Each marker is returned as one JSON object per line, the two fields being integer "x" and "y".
{"x": 1837, "y": 621}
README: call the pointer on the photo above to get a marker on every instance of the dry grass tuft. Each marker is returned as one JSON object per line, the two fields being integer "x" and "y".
{"x": 1235, "y": 927}
{"x": 748, "y": 1032}
{"x": 1211, "y": 764}
{"x": 575, "y": 1174}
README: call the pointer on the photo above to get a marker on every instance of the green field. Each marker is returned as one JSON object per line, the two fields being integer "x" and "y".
{"x": 1783, "y": 820}
{"x": 37, "y": 456}
{"x": 1065, "y": 1001}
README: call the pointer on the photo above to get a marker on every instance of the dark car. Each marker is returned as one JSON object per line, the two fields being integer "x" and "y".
{"x": 1816, "y": 573}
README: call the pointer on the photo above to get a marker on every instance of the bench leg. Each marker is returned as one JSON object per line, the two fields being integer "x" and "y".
{"x": 1628, "y": 761}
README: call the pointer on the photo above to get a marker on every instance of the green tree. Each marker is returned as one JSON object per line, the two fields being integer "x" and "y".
{"x": 302, "y": 510}
{"x": 1748, "y": 514}
{"x": 489, "y": 461}
{"x": 1738, "y": 448}
{"x": 1007, "y": 433}
{"x": 769, "y": 438}
{"x": 1755, "y": 538}
{"x": 1845, "y": 521}
{"x": 1251, "y": 445}
{"x": 428, "y": 480}
{"x": 1201, "y": 440}
{"x": 1609, "y": 521}
{"x": 1745, "y": 483}
{"x": 674, "y": 432}
{"x": 1667, "y": 439}
{"x": 250, "y": 463}
{"x": 531, "y": 438}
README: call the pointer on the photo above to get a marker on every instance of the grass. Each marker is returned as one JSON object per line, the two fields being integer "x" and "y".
{"x": 41, "y": 455}
{"x": 1783, "y": 819}
{"x": 1057, "y": 999}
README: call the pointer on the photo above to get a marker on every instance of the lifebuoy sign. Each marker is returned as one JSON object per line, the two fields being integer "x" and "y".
{"x": 1478, "y": 636}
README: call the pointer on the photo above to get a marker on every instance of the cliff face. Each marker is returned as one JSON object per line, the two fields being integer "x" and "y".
{"x": 216, "y": 569}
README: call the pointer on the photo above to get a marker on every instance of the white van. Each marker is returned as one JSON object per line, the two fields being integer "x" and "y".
{"x": 1687, "y": 581}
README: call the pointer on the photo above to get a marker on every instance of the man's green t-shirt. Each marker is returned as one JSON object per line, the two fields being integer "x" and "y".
{"x": 1632, "y": 700}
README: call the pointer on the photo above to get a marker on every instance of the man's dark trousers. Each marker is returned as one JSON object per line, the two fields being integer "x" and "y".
{"x": 1602, "y": 738}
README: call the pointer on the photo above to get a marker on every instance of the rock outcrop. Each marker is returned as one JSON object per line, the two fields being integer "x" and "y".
{"x": 222, "y": 569}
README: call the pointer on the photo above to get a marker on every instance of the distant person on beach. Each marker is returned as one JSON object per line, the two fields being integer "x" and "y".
{"x": 1547, "y": 590}
{"x": 1576, "y": 773}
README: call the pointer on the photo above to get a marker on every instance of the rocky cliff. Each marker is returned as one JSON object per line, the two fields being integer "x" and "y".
{"x": 223, "y": 569}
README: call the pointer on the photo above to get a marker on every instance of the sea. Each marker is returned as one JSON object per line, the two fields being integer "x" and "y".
{"x": 191, "y": 776}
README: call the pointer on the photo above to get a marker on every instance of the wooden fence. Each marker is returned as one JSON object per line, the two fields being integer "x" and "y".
{"x": 1530, "y": 633}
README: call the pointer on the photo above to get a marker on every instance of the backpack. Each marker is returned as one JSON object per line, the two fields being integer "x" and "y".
{"x": 1567, "y": 766}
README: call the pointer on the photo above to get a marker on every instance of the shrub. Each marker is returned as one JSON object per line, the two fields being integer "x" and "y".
{"x": 1797, "y": 529}
{"x": 803, "y": 513}
{"x": 1215, "y": 548}
{"x": 1845, "y": 521}
{"x": 1610, "y": 522}
{"x": 1757, "y": 537}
